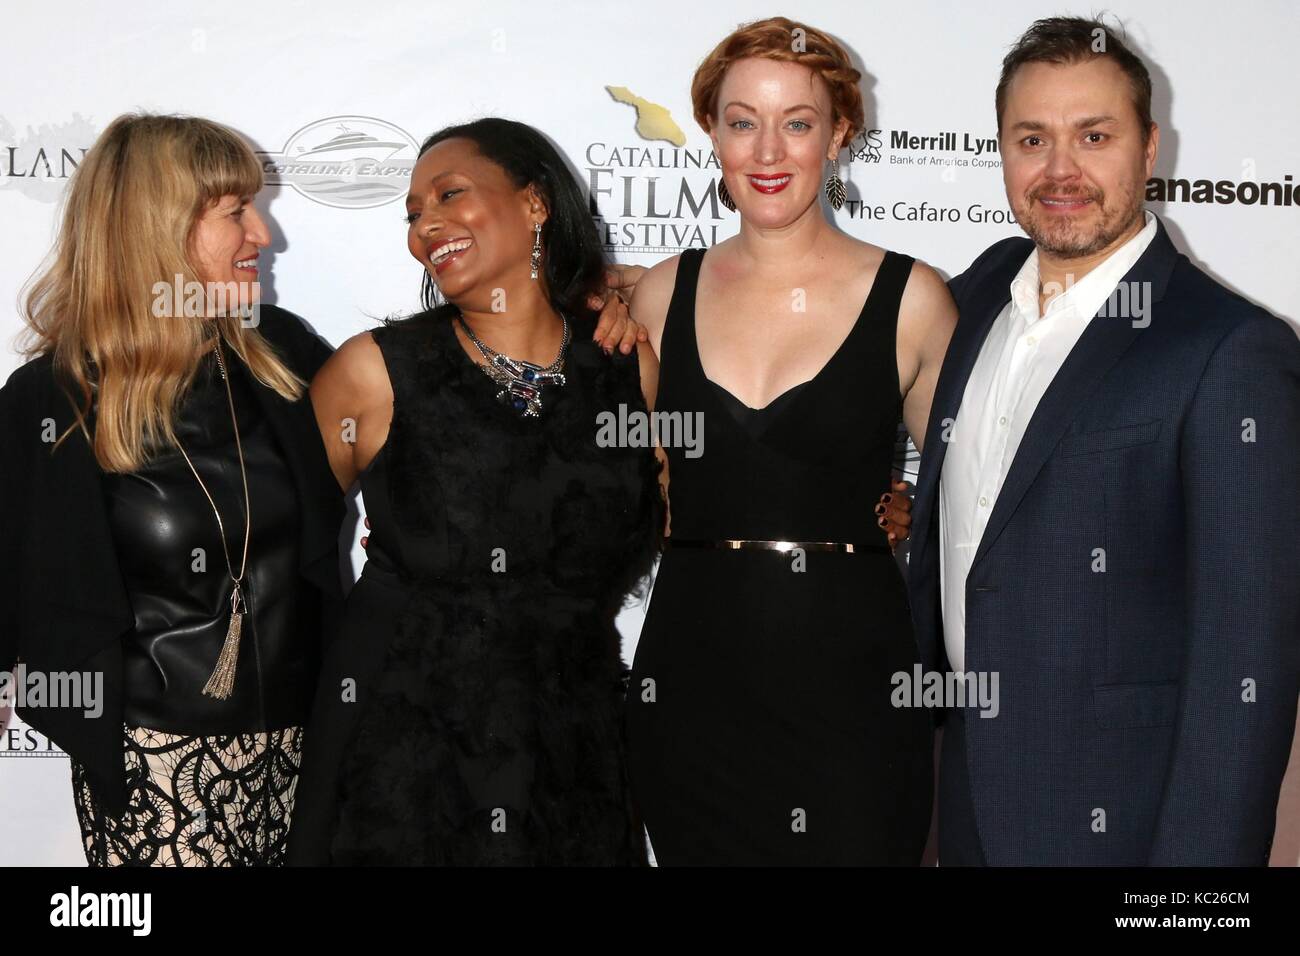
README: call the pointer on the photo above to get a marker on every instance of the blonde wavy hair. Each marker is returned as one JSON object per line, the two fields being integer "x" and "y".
{"x": 127, "y": 224}
{"x": 775, "y": 39}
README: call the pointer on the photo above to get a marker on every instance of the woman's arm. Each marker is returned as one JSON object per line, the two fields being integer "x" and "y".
{"x": 353, "y": 401}
{"x": 649, "y": 307}
{"x": 651, "y": 297}
{"x": 650, "y": 389}
{"x": 926, "y": 319}
{"x": 649, "y": 374}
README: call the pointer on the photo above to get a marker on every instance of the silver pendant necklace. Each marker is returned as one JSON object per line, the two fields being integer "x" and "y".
{"x": 221, "y": 683}
{"x": 521, "y": 382}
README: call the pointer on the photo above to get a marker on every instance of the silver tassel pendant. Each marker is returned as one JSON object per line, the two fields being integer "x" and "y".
{"x": 222, "y": 682}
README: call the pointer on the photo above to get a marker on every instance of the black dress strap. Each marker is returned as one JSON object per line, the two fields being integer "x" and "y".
{"x": 678, "y": 340}
{"x": 887, "y": 290}
{"x": 873, "y": 342}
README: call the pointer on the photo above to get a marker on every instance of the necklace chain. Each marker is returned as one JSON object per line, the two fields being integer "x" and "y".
{"x": 521, "y": 382}
{"x": 243, "y": 565}
{"x": 222, "y": 682}
{"x": 491, "y": 354}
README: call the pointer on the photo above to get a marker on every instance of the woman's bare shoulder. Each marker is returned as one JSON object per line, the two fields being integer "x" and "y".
{"x": 864, "y": 256}
{"x": 656, "y": 285}
{"x": 357, "y": 370}
{"x": 653, "y": 295}
{"x": 927, "y": 314}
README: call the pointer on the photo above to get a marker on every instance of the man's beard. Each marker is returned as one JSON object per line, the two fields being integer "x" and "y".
{"x": 1065, "y": 238}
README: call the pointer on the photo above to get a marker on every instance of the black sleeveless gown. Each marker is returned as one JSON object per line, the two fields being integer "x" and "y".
{"x": 760, "y": 724}
{"x": 486, "y": 724}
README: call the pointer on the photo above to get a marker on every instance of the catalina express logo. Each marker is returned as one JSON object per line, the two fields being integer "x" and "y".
{"x": 39, "y": 162}
{"x": 349, "y": 162}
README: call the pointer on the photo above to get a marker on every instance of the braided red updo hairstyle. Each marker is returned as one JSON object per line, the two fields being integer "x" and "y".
{"x": 778, "y": 38}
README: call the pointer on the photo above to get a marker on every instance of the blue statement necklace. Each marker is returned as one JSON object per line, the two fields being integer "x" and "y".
{"x": 521, "y": 382}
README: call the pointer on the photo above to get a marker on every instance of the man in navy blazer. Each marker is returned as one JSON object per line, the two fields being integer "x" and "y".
{"x": 1106, "y": 516}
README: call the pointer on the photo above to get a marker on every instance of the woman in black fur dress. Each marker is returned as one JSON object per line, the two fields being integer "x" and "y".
{"x": 470, "y": 711}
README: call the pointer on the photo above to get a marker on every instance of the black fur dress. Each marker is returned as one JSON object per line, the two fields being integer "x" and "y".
{"x": 471, "y": 711}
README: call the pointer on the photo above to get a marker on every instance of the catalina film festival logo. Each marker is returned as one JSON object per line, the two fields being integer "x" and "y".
{"x": 39, "y": 161}
{"x": 653, "y": 194}
{"x": 349, "y": 162}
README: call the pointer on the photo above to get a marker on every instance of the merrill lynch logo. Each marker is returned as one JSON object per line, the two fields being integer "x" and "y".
{"x": 866, "y": 146}
{"x": 351, "y": 162}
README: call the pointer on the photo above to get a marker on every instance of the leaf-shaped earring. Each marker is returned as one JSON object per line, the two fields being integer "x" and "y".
{"x": 835, "y": 191}
{"x": 724, "y": 195}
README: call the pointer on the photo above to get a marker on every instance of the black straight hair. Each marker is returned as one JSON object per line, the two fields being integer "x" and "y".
{"x": 573, "y": 260}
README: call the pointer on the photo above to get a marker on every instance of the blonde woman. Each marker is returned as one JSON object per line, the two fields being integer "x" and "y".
{"x": 170, "y": 519}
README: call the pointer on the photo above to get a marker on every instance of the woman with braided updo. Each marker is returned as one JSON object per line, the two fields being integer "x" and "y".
{"x": 761, "y": 725}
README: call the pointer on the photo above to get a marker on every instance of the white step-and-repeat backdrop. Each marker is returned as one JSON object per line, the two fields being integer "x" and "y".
{"x": 924, "y": 179}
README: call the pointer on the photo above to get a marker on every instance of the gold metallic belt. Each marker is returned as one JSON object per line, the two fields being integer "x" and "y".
{"x": 734, "y": 544}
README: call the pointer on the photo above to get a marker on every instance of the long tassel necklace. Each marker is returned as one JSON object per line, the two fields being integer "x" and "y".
{"x": 222, "y": 682}
{"x": 521, "y": 382}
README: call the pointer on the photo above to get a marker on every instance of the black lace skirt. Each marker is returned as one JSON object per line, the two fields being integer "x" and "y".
{"x": 195, "y": 801}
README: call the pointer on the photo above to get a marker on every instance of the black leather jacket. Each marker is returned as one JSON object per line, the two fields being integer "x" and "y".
{"x": 169, "y": 550}
{"x": 68, "y": 596}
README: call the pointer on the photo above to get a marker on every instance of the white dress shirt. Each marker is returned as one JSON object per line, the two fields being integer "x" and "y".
{"x": 1016, "y": 364}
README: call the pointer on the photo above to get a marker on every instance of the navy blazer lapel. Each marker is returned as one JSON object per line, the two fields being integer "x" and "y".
{"x": 1103, "y": 342}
